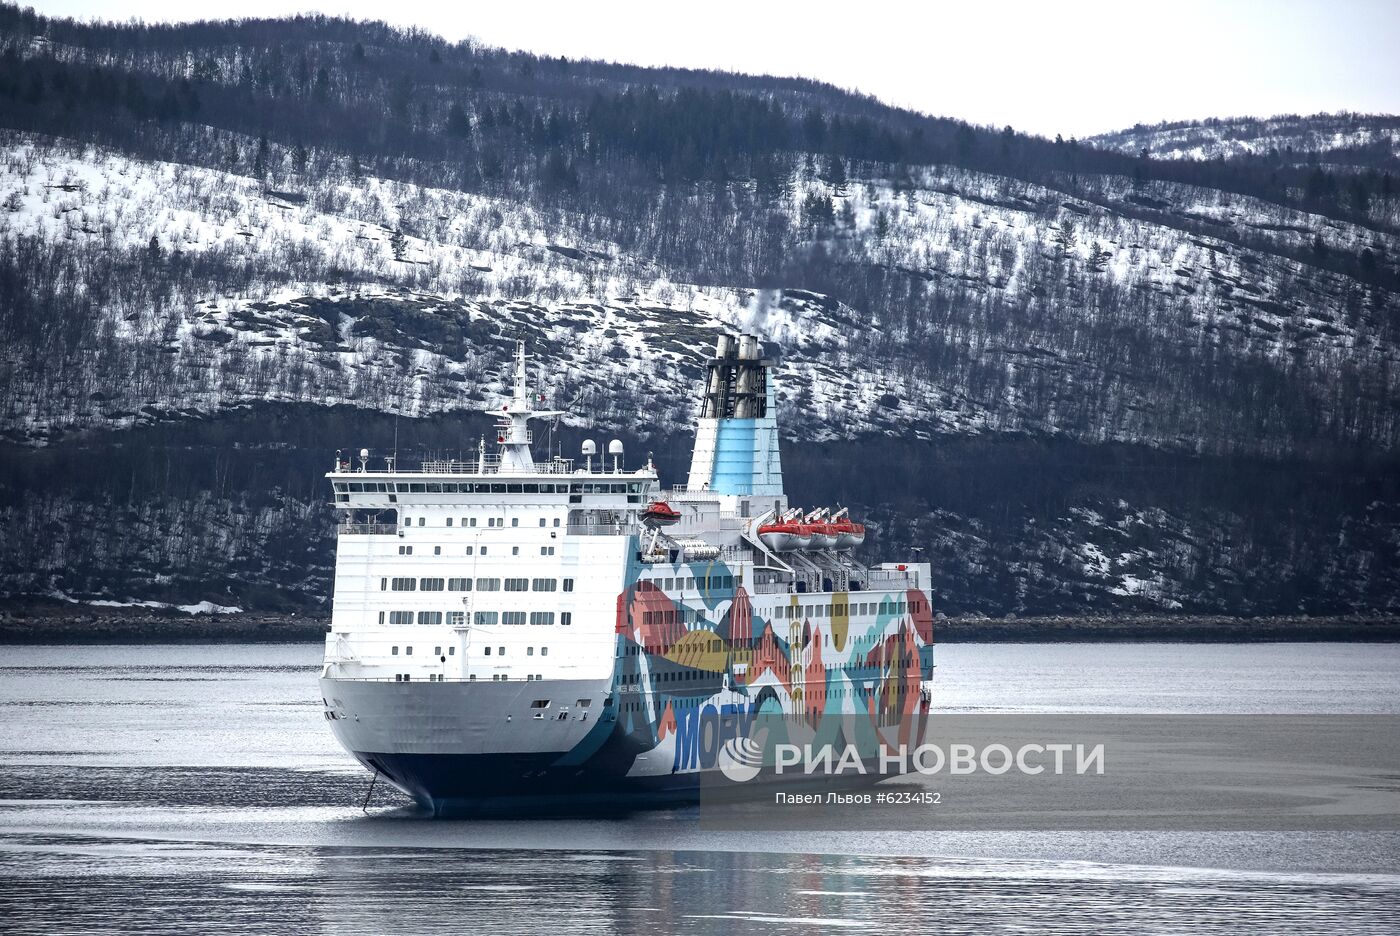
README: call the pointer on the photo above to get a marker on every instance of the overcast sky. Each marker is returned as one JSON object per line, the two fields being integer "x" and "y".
{"x": 1075, "y": 68}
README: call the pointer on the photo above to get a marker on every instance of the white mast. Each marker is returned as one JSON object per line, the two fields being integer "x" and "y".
{"x": 512, "y": 425}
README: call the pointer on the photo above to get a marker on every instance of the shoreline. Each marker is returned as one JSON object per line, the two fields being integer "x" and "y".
{"x": 67, "y": 624}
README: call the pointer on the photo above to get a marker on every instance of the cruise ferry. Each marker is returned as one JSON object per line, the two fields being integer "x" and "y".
{"x": 515, "y": 628}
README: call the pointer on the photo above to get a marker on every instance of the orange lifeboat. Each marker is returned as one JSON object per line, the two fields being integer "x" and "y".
{"x": 660, "y": 514}
{"x": 785, "y": 536}
{"x": 823, "y": 535}
{"x": 848, "y": 534}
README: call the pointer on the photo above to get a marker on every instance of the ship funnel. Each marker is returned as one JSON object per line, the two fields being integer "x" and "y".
{"x": 736, "y": 439}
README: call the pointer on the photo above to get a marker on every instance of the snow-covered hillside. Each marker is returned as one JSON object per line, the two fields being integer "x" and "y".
{"x": 400, "y": 297}
{"x": 1288, "y": 135}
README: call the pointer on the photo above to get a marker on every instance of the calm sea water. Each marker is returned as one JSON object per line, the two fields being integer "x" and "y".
{"x": 196, "y": 789}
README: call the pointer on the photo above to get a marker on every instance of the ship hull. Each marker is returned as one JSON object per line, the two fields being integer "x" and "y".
{"x": 460, "y": 749}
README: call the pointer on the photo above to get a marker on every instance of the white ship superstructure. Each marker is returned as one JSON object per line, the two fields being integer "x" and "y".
{"x": 509, "y": 627}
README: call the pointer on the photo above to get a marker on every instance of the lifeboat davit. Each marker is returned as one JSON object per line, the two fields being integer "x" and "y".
{"x": 785, "y": 536}
{"x": 660, "y": 514}
{"x": 848, "y": 534}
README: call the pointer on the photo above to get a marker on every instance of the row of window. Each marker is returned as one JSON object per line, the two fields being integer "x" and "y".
{"x": 452, "y": 651}
{"x": 486, "y": 487}
{"x": 745, "y": 647}
{"x": 839, "y": 609}
{"x": 704, "y": 583}
{"x": 515, "y": 618}
{"x": 491, "y": 522}
{"x": 405, "y": 550}
{"x": 673, "y": 616}
{"x": 529, "y": 651}
{"x": 486, "y": 584}
{"x": 498, "y": 677}
{"x": 480, "y": 618}
{"x": 408, "y": 651}
{"x": 632, "y": 679}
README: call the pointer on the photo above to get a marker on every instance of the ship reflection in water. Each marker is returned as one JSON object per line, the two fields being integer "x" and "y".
{"x": 106, "y": 886}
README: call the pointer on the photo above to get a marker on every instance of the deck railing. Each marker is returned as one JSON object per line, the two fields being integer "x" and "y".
{"x": 371, "y": 529}
{"x": 600, "y": 529}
